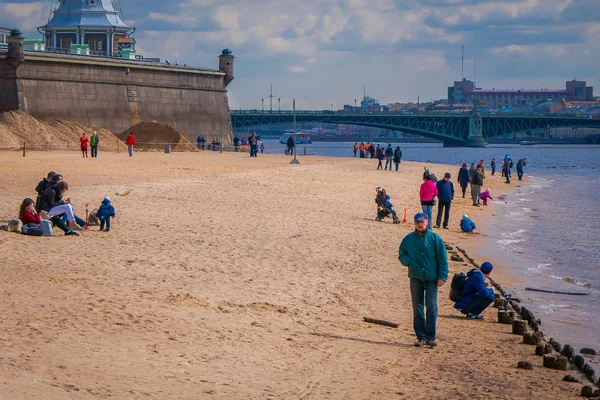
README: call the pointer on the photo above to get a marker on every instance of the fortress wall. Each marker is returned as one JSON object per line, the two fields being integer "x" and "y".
{"x": 117, "y": 97}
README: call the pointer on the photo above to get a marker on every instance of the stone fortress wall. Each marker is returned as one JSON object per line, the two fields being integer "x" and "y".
{"x": 116, "y": 94}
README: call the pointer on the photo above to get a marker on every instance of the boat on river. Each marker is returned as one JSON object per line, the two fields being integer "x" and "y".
{"x": 301, "y": 138}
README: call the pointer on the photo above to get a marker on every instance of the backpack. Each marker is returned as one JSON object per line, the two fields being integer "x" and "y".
{"x": 32, "y": 230}
{"x": 457, "y": 285}
{"x": 46, "y": 227}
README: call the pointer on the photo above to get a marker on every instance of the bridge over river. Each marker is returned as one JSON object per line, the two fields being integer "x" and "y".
{"x": 469, "y": 129}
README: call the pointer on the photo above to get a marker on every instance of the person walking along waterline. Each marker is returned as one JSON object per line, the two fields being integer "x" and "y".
{"x": 445, "y": 196}
{"x": 493, "y": 166}
{"x": 397, "y": 157}
{"x": 520, "y": 164}
{"x": 476, "y": 183}
{"x": 427, "y": 193}
{"x": 464, "y": 178}
{"x": 130, "y": 142}
{"x": 389, "y": 155}
{"x": 424, "y": 253}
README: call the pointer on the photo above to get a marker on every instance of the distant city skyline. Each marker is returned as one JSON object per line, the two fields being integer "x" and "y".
{"x": 324, "y": 53}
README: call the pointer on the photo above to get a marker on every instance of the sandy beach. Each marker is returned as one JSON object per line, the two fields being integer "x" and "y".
{"x": 228, "y": 277}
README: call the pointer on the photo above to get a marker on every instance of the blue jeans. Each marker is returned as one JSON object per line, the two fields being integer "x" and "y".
{"x": 424, "y": 294}
{"x": 102, "y": 221}
{"x": 130, "y": 149}
{"x": 507, "y": 174}
{"x": 78, "y": 220}
{"x": 478, "y": 304}
{"x": 397, "y": 165}
{"x": 520, "y": 173}
{"x": 428, "y": 210}
{"x": 388, "y": 162}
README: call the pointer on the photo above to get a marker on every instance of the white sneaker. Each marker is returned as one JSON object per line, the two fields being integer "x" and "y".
{"x": 78, "y": 228}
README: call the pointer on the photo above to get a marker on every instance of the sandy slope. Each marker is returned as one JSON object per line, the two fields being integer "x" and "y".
{"x": 231, "y": 277}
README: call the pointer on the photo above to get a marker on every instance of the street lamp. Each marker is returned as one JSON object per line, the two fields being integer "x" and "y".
{"x": 263, "y": 105}
{"x": 354, "y": 104}
{"x": 294, "y": 160}
{"x": 279, "y": 103}
{"x": 332, "y": 107}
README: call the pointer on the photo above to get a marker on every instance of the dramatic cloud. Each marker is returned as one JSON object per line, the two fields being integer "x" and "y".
{"x": 324, "y": 52}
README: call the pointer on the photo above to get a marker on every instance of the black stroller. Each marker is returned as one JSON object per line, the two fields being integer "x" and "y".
{"x": 382, "y": 210}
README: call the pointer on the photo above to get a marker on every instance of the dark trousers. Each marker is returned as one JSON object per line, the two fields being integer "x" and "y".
{"x": 478, "y": 304}
{"x": 94, "y": 151}
{"x": 493, "y": 170}
{"x": 103, "y": 221}
{"x": 424, "y": 295}
{"x": 59, "y": 223}
{"x": 464, "y": 190}
{"x": 520, "y": 173}
{"x": 507, "y": 175}
{"x": 445, "y": 208}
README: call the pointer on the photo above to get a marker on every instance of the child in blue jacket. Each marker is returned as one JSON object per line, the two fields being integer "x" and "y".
{"x": 466, "y": 224}
{"x": 104, "y": 213}
{"x": 389, "y": 206}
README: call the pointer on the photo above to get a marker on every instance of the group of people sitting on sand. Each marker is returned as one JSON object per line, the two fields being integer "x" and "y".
{"x": 52, "y": 208}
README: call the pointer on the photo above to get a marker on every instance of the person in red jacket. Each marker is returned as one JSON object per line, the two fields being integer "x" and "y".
{"x": 84, "y": 140}
{"x": 28, "y": 214}
{"x": 130, "y": 142}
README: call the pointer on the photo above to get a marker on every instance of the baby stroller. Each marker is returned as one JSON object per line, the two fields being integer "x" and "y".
{"x": 382, "y": 210}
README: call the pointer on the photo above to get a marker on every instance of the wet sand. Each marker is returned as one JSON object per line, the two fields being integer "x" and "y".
{"x": 231, "y": 277}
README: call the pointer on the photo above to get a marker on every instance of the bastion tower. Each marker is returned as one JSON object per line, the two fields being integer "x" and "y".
{"x": 226, "y": 65}
{"x": 96, "y": 23}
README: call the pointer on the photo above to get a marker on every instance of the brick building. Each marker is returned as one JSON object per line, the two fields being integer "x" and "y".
{"x": 464, "y": 91}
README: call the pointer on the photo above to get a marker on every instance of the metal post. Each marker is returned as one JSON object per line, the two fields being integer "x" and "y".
{"x": 279, "y": 102}
{"x": 294, "y": 160}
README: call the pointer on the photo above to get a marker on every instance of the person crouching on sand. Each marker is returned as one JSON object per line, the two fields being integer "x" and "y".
{"x": 487, "y": 194}
{"x": 425, "y": 255}
{"x": 476, "y": 296}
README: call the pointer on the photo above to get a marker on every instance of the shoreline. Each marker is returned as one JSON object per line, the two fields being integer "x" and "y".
{"x": 253, "y": 282}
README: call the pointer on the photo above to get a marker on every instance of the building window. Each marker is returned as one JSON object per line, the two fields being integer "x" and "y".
{"x": 95, "y": 44}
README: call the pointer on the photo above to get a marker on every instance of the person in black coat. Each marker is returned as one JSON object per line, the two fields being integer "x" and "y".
{"x": 445, "y": 196}
{"x": 41, "y": 187}
{"x": 397, "y": 157}
{"x": 464, "y": 178}
{"x": 53, "y": 203}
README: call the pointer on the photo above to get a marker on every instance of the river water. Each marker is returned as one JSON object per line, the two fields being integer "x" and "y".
{"x": 546, "y": 232}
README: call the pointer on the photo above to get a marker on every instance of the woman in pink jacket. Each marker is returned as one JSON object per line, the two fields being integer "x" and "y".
{"x": 428, "y": 193}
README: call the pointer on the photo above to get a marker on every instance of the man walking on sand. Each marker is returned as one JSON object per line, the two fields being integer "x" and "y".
{"x": 130, "y": 142}
{"x": 476, "y": 183}
{"x": 94, "y": 144}
{"x": 445, "y": 196}
{"x": 424, "y": 253}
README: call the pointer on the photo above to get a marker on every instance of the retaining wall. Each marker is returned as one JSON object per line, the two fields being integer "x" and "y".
{"x": 115, "y": 95}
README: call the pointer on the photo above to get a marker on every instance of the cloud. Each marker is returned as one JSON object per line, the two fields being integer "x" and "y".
{"x": 296, "y": 69}
{"x": 400, "y": 50}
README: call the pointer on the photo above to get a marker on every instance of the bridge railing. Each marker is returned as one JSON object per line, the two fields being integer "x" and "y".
{"x": 401, "y": 114}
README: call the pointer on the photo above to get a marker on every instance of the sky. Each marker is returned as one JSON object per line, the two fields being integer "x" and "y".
{"x": 324, "y": 53}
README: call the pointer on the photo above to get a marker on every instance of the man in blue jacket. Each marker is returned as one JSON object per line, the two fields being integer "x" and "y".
{"x": 476, "y": 296}
{"x": 445, "y": 196}
{"x": 424, "y": 253}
